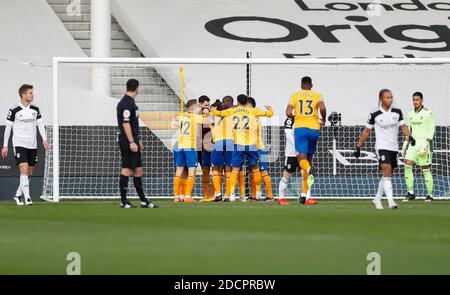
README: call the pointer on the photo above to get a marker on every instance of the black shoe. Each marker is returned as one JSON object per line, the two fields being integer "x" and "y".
{"x": 302, "y": 200}
{"x": 126, "y": 205}
{"x": 429, "y": 198}
{"x": 218, "y": 198}
{"x": 226, "y": 200}
{"x": 409, "y": 197}
{"x": 148, "y": 204}
{"x": 252, "y": 199}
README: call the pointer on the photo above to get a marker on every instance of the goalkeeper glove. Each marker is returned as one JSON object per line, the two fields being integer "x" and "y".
{"x": 357, "y": 152}
{"x": 423, "y": 150}
{"x": 404, "y": 148}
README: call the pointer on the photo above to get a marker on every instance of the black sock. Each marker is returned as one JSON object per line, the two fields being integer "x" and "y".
{"x": 123, "y": 186}
{"x": 140, "y": 191}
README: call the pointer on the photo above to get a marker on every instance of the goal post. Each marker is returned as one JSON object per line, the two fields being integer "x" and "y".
{"x": 350, "y": 88}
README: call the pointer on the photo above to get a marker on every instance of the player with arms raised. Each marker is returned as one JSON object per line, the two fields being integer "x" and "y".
{"x": 245, "y": 139}
{"x": 422, "y": 125}
{"x": 386, "y": 121}
{"x": 306, "y": 104}
{"x": 23, "y": 119}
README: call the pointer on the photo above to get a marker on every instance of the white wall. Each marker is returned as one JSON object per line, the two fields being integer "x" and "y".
{"x": 176, "y": 28}
{"x": 31, "y": 32}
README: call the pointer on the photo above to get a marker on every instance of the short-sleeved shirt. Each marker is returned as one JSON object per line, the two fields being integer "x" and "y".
{"x": 222, "y": 128}
{"x": 306, "y": 108}
{"x": 245, "y": 124}
{"x": 386, "y": 124}
{"x": 128, "y": 112}
{"x": 190, "y": 128}
{"x": 24, "y": 121}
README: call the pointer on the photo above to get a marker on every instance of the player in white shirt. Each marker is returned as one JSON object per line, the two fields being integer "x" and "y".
{"x": 23, "y": 119}
{"x": 291, "y": 162}
{"x": 386, "y": 120}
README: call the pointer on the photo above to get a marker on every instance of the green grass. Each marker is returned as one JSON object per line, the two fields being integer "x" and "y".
{"x": 331, "y": 238}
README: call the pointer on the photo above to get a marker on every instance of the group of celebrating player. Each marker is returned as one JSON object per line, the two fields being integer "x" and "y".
{"x": 236, "y": 137}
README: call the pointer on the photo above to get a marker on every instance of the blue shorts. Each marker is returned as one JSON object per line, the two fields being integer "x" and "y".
{"x": 186, "y": 158}
{"x": 222, "y": 153}
{"x": 262, "y": 160}
{"x": 176, "y": 153}
{"x": 241, "y": 151}
{"x": 306, "y": 141}
{"x": 204, "y": 158}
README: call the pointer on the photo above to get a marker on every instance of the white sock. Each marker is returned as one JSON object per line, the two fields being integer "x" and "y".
{"x": 19, "y": 190}
{"x": 282, "y": 187}
{"x": 308, "y": 194}
{"x": 25, "y": 185}
{"x": 387, "y": 185}
{"x": 380, "y": 190}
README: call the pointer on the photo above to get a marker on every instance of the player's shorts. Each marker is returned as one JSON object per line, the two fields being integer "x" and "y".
{"x": 222, "y": 153}
{"x": 291, "y": 164}
{"x": 262, "y": 160}
{"x": 425, "y": 160}
{"x": 176, "y": 153}
{"x": 187, "y": 158}
{"x": 204, "y": 158}
{"x": 306, "y": 141}
{"x": 240, "y": 152}
{"x": 388, "y": 157}
{"x": 24, "y": 155}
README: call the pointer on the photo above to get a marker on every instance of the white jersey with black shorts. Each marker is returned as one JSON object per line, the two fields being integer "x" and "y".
{"x": 386, "y": 125}
{"x": 23, "y": 122}
{"x": 291, "y": 161}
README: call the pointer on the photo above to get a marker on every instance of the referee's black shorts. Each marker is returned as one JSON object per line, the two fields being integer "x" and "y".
{"x": 130, "y": 160}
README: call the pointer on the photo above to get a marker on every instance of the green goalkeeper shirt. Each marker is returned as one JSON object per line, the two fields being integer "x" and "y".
{"x": 421, "y": 124}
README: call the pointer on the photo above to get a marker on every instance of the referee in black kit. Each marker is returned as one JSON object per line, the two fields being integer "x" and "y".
{"x": 130, "y": 148}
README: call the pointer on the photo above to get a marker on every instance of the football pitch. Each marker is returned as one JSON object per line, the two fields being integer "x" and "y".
{"x": 333, "y": 237}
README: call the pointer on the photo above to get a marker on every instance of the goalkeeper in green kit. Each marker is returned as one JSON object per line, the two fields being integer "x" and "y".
{"x": 422, "y": 125}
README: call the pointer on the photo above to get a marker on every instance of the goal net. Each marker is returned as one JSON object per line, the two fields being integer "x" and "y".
{"x": 84, "y": 159}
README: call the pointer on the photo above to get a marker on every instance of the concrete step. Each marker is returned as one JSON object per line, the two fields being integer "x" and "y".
{"x": 157, "y": 99}
{"x": 158, "y": 116}
{"x": 86, "y": 18}
{"x": 67, "y": 2}
{"x": 62, "y": 8}
{"x": 161, "y": 107}
{"x": 120, "y": 53}
{"x": 86, "y": 26}
{"x": 165, "y": 134}
{"x": 158, "y": 90}
{"x": 146, "y": 71}
{"x": 115, "y": 44}
{"x": 86, "y": 35}
{"x": 159, "y": 125}
{"x": 148, "y": 81}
